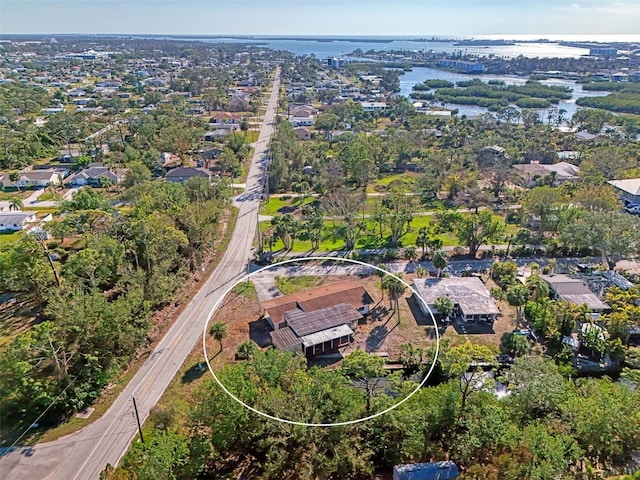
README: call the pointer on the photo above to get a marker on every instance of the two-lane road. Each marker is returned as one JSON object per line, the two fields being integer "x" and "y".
{"x": 84, "y": 454}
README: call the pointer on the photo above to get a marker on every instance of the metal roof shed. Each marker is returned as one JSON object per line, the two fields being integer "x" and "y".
{"x": 426, "y": 471}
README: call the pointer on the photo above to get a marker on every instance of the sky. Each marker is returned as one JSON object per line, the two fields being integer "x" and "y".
{"x": 458, "y": 18}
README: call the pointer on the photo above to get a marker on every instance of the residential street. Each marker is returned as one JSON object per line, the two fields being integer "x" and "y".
{"x": 84, "y": 454}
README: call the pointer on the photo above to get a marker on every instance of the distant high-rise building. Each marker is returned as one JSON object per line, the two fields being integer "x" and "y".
{"x": 336, "y": 63}
{"x": 603, "y": 52}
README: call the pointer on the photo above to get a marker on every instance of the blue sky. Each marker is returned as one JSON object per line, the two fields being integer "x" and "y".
{"x": 325, "y": 17}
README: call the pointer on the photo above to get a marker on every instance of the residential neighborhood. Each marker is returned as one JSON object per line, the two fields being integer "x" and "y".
{"x": 407, "y": 264}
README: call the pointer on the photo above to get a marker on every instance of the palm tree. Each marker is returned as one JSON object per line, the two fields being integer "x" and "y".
{"x": 538, "y": 288}
{"x": 381, "y": 272}
{"x": 15, "y": 203}
{"x": 106, "y": 183}
{"x": 422, "y": 240}
{"x": 439, "y": 260}
{"x": 395, "y": 289}
{"x": 421, "y": 271}
{"x": 552, "y": 263}
{"x": 410, "y": 253}
{"x": 218, "y": 330}
{"x": 517, "y": 296}
{"x": 444, "y": 305}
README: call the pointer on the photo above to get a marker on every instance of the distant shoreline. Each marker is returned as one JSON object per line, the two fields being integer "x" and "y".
{"x": 489, "y": 40}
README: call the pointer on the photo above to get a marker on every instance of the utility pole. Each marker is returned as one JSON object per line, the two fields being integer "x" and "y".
{"x": 135, "y": 408}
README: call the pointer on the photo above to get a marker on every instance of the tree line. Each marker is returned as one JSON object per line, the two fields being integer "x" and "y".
{"x": 95, "y": 286}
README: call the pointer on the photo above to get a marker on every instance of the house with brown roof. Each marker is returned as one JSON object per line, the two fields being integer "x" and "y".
{"x": 225, "y": 117}
{"x": 302, "y": 133}
{"x": 319, "y": 320}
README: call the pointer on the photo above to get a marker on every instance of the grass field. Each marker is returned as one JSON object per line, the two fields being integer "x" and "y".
{"x": 280, "y": 205}
{"x": 289, "y": 285}
{"x": 9, "y": 238}
{"x": 246, "y": 289}
{"x": 380, "y": 184}
{"x": 370, "y": 238}
{"x": 50, "y": 196}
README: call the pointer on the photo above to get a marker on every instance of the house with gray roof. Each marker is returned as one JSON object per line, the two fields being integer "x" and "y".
{"x": 182, "y": 174}
{"x": 471, "y": 299}
{"x": 95, "y": 175}
{"x": 574, "y": 290}
{"x": 15, "y": 221}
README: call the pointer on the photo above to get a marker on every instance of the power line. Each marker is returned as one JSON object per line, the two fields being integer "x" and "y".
{"x": 42, "y": 414}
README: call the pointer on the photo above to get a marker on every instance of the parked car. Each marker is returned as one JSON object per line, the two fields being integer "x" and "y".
{"x": 635, "y": 209}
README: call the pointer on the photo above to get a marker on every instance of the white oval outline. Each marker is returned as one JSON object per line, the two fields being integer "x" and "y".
{"x": 246, "y": 278}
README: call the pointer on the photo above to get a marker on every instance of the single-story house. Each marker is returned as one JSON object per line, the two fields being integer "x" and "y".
{"x": 471, "y": 299}
{"x": 15, "y": 221}
{"x": 574, "y": 290}
{"x": 560, "y": 172}
{"x": 317, "y": 332}
{"x": 628, "y": 189}
{"x": 212, "y": 135}
{"x": 374, "y": 106}
{"x": 585, "y": 136}
{"x": 238, "y": 104}
{"x": 426, "y": 471}
{"x": 43, "y": 178}
{"x": 225, "y": 117}
{"x": 182, "y": 174}
{"x": 302, "y": 133}
{"x": 34, "y": 179}
{"x": 306, "y": 121}
{"x": 94, "y": 176}
{"x": 303, "y": 111}
{"x": 318, "y": 320}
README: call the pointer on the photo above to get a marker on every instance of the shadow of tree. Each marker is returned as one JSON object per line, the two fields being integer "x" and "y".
{"x": 378, "y": 313}
{"x": 195, "y": 372}
{"x": 376, "y": 337}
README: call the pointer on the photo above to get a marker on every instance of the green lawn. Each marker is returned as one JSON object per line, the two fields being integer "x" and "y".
{"x": 9, "y": 238}
{"x": 277, "y": 205}
{"x": 246, "y": 289}
{"x": 251, "y": 136}
{"x": 409, "y": 177}
{"x": 41, "y": 209}
{"x": 289, "y": 285}
{"x": 50, "y": 196}
{"x": 370, "y": 239}
{"x": 6, "y": 196}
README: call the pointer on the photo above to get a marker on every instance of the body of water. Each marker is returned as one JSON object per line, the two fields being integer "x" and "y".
{"x": 323, "y": 48}
{"x": 420, "y": 74}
